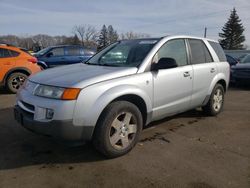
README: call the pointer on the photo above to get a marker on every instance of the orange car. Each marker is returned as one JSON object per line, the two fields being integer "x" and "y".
{"x": 15, "y": 66}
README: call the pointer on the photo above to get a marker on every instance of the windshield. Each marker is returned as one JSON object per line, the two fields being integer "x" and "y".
{"x": 128, "y": 53}
{"x": 246, "y": 59}
{"x": 43, "y": 51}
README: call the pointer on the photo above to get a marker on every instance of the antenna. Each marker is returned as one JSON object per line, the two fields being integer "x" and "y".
{"x": 205, "y": 32}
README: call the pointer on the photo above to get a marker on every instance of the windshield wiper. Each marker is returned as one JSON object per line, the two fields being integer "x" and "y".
{"x": 108, "y": 65}
{"x": 88, "y": 63}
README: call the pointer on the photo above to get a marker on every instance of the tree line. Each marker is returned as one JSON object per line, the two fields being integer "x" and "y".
{"x": 85, "y": 35}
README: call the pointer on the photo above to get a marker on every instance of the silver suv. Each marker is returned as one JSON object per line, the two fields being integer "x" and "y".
{"x": 129, "y": 84}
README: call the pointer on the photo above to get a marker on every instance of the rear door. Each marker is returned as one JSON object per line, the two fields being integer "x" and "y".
{"x": 172, "y": 87}
{"x": 6, "y": 62}
{"x": 73, "y": 54}
{"x": 205, "y": 69}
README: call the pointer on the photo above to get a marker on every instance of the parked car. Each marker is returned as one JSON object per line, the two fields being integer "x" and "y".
{"x": 62, "y": 55}
{"x": 240, "y": 73}
{"x": 111, "y": 97}
{"x": 15, "y": 66}
{"x": 231, "y": 60}
{"x": 237, "y": 54}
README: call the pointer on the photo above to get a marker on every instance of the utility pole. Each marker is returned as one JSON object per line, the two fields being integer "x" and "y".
{"x": 205, "y": 32}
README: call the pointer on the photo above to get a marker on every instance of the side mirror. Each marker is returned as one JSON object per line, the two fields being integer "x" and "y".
{"x": 164, "y": 63}
{"x": 49, "y": 54}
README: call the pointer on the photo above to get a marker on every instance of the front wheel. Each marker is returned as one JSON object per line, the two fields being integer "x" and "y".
{"x": 118, "y": 129}
{"x": 15, "y": 81}
{"x": 216, "y": 101}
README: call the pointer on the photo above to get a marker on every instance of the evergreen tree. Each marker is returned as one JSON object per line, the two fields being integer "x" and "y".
{"x": 103, "y": 38}
{"x": 112, "y": 35}
{"x": 232, "y": 35}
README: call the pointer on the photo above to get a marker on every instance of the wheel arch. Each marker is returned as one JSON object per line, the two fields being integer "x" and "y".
{"x": 42, "y": 64}
{"x": 99, "y": 100}
{"x": 223, "y": 83}
{"x": 136, "y": 100}
{"x": 14, "y": 70}
{"x": 221, "y": 79}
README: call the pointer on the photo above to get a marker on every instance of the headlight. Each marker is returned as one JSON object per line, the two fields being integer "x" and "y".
{"x": 57, "y": 92}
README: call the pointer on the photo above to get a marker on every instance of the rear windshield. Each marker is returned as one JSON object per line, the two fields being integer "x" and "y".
{"x": 246, "y": 59}
{"x": 218, "y": 50}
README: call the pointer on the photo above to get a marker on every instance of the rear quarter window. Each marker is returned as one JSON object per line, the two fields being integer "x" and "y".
{"x": 14, "y": 53}
{"x": 218, "y": 50}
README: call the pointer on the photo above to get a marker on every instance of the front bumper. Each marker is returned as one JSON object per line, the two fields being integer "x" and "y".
{"x": 64, "y": 130}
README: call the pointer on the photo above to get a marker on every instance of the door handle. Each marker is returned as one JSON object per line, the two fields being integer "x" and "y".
{"x": 7, "y": 63}
{"x": 186, "y": 74}
{"x": 212, "y": 70}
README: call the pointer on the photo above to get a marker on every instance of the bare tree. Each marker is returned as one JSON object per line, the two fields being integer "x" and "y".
{"x": 86, "y": 33}
{"x": 133, "y": 35}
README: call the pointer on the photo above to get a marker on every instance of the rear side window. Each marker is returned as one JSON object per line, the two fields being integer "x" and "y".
{"x": 199, "y": 52}
{"x": 4, "y": 53}
{"x": 218, "y": 50}
{"x": 73, "y": 51}
{"x": 14, "y": 53}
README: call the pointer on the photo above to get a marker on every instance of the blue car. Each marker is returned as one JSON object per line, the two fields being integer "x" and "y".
{"x": 240, "y": 73}
{"x": 62, "y": 55}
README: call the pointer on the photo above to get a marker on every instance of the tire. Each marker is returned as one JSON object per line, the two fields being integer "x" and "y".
{"x": 216, "y": 101}
{"x": 118, "y": 129}
{"x": 15, "y": 81}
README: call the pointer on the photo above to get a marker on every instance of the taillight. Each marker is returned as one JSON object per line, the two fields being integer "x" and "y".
{"x": 32, "y": 60}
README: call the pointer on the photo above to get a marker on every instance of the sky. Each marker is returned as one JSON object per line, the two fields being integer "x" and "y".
{"x": 153, "y": 17}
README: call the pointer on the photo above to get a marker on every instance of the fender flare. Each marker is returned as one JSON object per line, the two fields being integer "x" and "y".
{"x": 42, "y": 63}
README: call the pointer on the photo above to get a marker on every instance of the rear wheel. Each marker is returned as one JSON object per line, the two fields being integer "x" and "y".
{"x": 15, "y": 81}
{"x": 216, "y": 101}
{"x": 118, "y": 129}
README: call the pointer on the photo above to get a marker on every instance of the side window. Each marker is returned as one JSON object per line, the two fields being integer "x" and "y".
{"x": 57, "y": 51}
{"x": 73, "y": 51}
{"x": 4, "y": 53}
{"x": 199, "y": 52}
{"x": 175, "y": 49}
{"x": 218, "y": 50}
{"x": 14, "y": 53}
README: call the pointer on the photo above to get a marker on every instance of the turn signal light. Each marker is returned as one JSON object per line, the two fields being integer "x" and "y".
{"x": 70, "y": 93}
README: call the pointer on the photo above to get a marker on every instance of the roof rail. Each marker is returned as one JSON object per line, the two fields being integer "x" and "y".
{"x": 5, "y": 44}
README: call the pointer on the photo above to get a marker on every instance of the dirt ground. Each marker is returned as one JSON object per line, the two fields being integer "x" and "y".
{"x": 188, "y": 150}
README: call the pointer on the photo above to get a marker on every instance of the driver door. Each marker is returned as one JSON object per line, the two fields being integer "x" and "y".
{"x": 173, "y": 86}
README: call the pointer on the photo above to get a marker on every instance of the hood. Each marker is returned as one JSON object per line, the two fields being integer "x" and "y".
{"x": 80, "y": 75}
{"x": 241, "y": 66}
